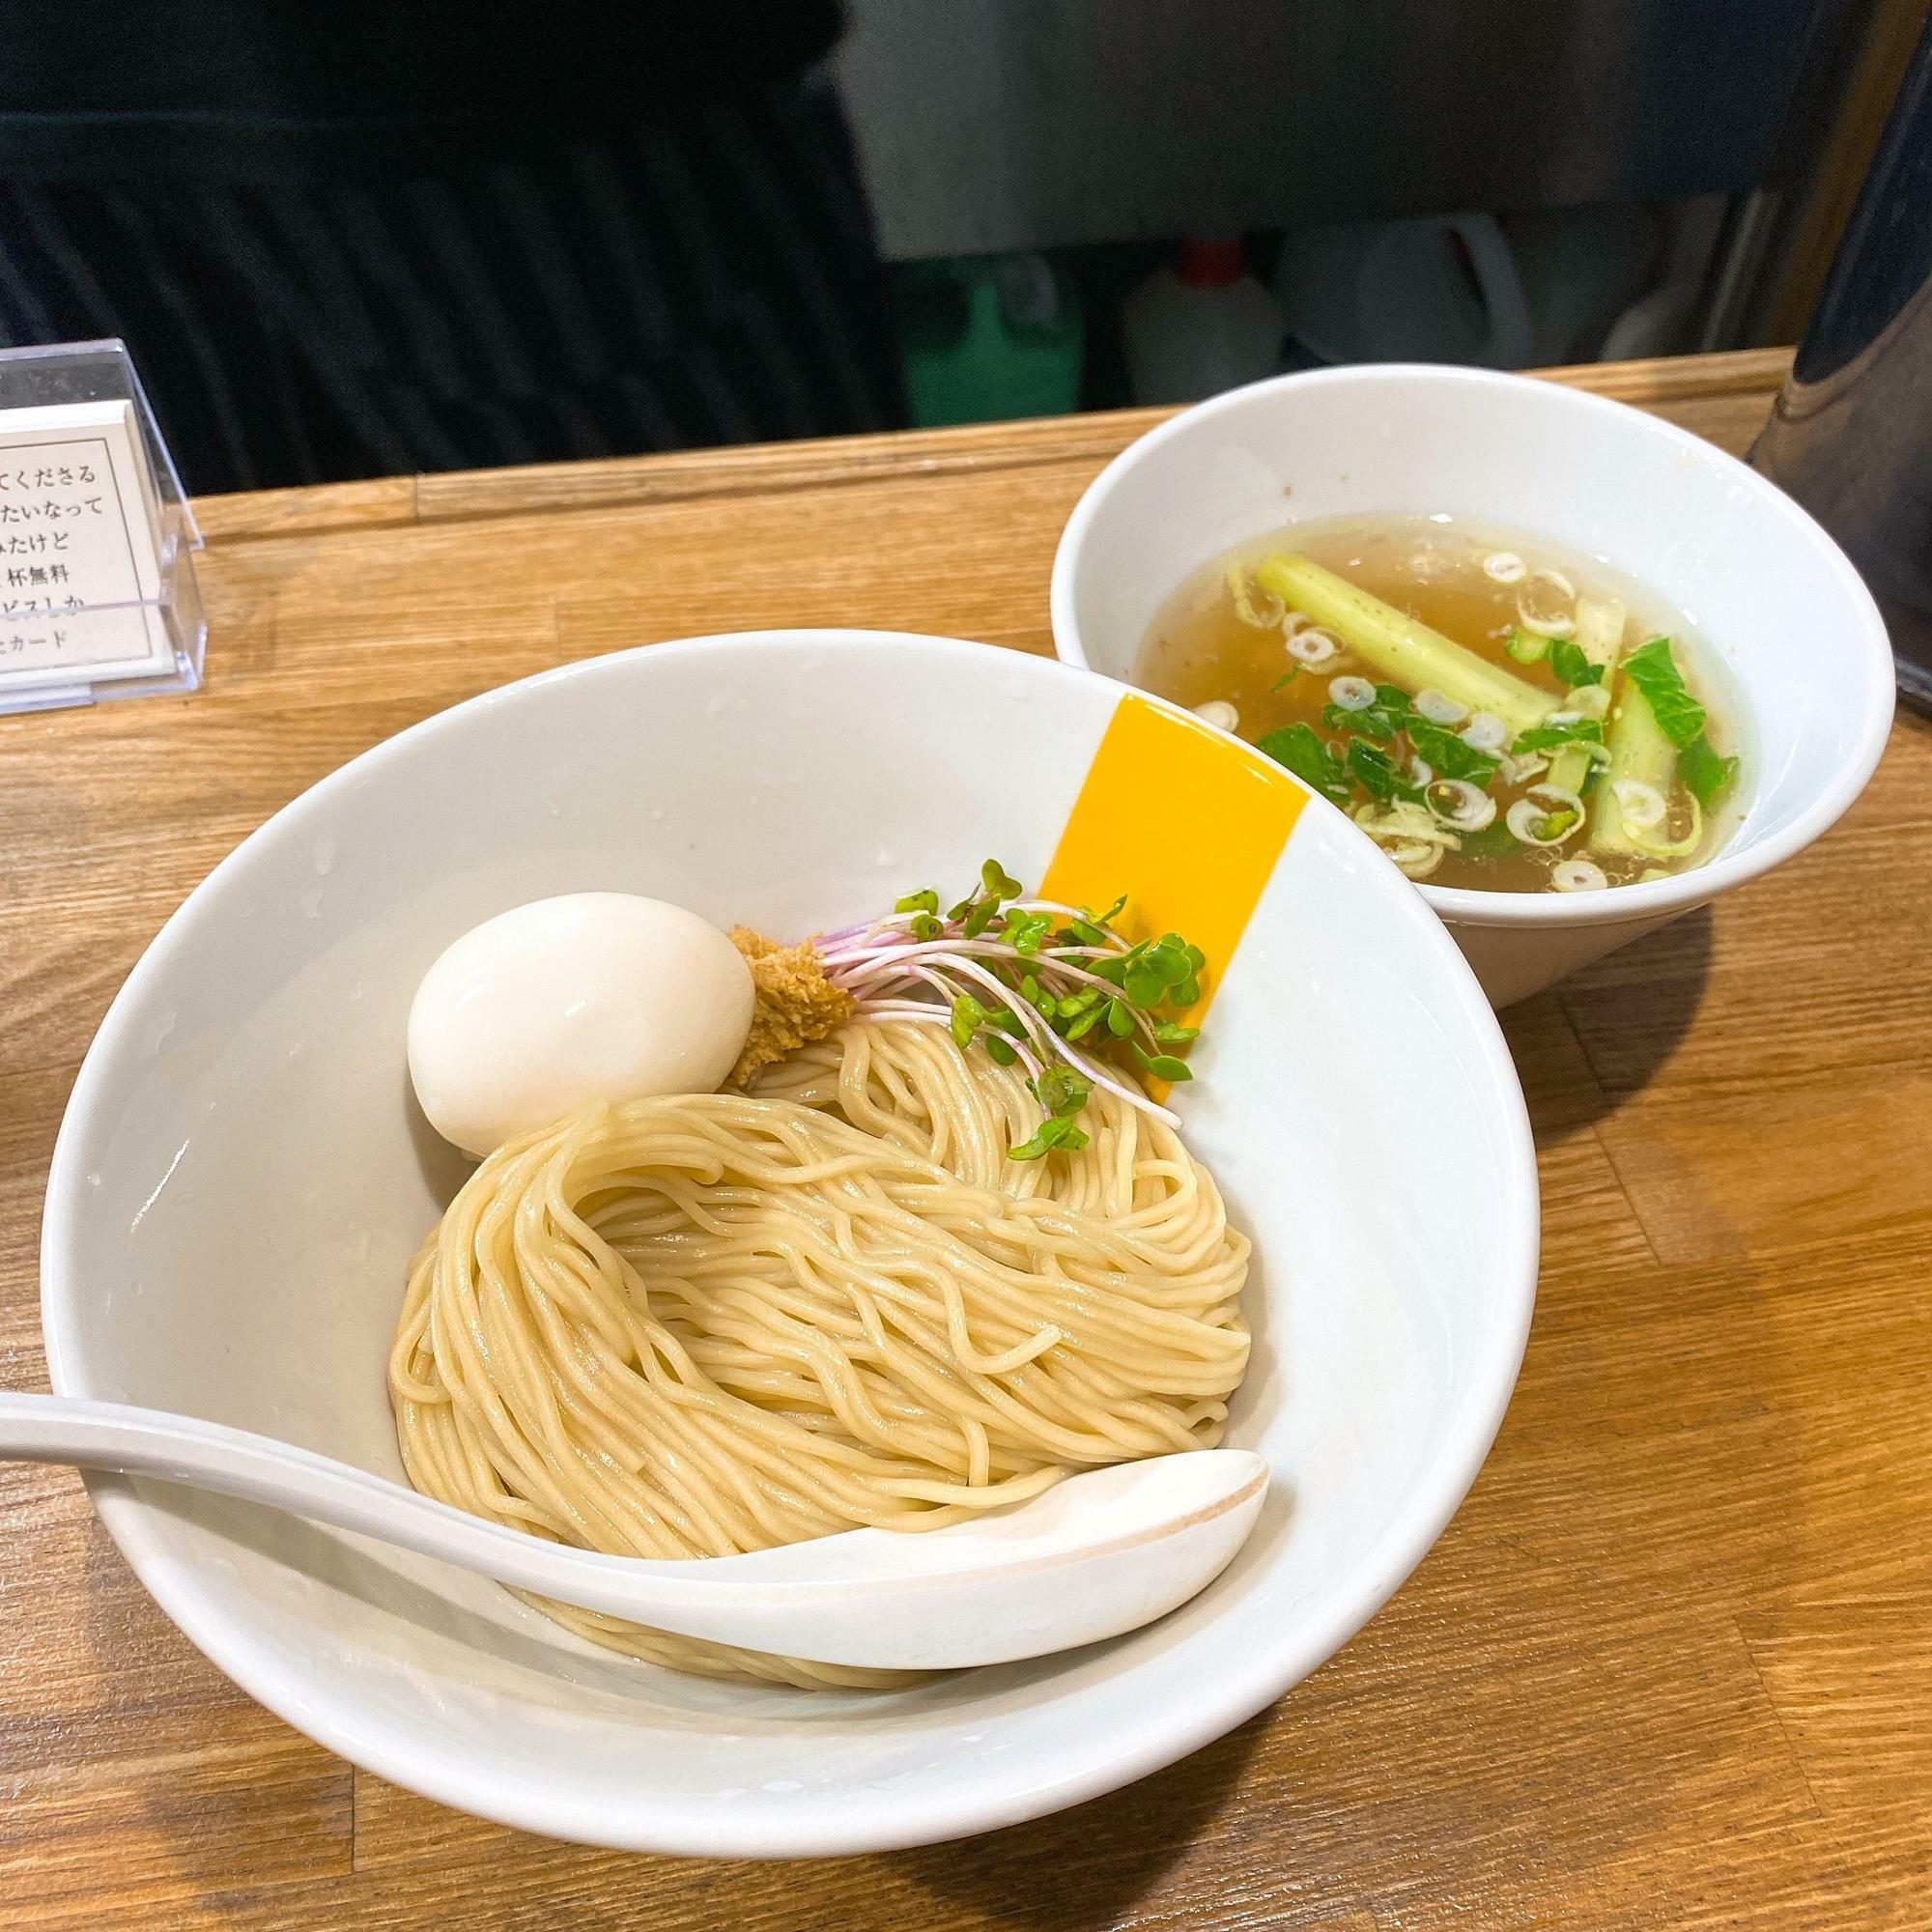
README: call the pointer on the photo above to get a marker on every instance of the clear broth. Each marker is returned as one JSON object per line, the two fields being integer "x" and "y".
{"x": 1200, "y": 650}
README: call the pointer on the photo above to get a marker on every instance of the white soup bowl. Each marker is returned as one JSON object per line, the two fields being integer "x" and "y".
{"x": 1801, "y": 643}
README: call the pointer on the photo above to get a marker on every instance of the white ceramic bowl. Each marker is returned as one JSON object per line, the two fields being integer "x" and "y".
{"x": 241, "y": 1180}
{"x": 1761, "y": 584}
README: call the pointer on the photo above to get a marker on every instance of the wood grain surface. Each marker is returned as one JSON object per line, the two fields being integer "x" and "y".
{"x": 1670, "y": 1666}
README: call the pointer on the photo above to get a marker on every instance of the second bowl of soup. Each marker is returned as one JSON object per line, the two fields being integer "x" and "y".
{"x": 1572, "y": 669}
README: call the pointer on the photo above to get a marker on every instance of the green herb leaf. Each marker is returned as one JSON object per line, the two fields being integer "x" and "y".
{"x": 967, "y": 1018}
{"x": 980, "y": 915}
{"x": 998, "y": 1051}
{"x": 1447, "y": 755}
{"x": 1025, "y": 931}
{"x": 1008, "y": 1021}
{"x": 1527, "y": 647}
{"x": 1654, "y": 671}
{"x": 1371, "y": 724}
{"x": 1378, "y": 772}
{"x": 1154, "y": 971}
{"x": 1704, "y": 773}
{"x": 1119, "y": 1018}
{"x": 1171, "y": 1034}
{"x": 1061, "y": 1091}
{"x": 1300, "y": 748}
{"x": 1163, "y": 1065}
{"x": 998, "y": 881}
{"x": 1495, "y": 840}
{"x": 1380, "y": 720}
{"x": 1287, "y": 678}
{"x": 1571, "y": 731}
{"x": 925, "y": 900}
{"x": 1057, "y": 1131}
{"x": 924, "y": 925}
{"x": 1086, "y": 1022}
{"x": 1573, "y": 665}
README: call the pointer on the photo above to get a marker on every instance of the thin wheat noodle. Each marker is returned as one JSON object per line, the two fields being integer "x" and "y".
{"x": 709, "y": 1324}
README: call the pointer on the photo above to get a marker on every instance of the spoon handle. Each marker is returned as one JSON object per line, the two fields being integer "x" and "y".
{"x": 258, "y": 1468}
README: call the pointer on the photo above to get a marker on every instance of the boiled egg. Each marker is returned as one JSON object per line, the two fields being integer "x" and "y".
{"x": 593, "y": 996}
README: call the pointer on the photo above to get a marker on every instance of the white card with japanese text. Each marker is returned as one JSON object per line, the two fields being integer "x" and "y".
{"x": 81, "y": 548}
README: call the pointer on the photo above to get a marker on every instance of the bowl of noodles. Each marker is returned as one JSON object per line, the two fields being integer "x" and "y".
{"x": 934, "y": 1255}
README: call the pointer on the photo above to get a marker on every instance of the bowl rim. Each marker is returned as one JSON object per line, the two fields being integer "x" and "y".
{"x": 1142, "y": 1742}
{"x": 1867, "y": 644}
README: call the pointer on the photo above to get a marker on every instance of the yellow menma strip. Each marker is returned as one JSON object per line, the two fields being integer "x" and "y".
{"x": 1191, "y": 824}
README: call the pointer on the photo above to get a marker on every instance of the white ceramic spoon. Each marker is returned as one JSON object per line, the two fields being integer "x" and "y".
{"x": 1097, "y": 1554}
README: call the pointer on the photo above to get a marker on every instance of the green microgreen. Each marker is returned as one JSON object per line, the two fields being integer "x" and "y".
{"x": 1163, "y": 1065}
{"x": 1026, "y": 931}
{"x": 1068, "y": 977}
{"x": 967, "y": 1018}
{"x": 998, "y": 881}
{"x": 1061, "y": 1094}
{"x": 1055, "y": 1132}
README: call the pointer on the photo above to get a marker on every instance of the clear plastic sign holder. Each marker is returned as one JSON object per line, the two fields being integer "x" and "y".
{"x": 98, "y": 593}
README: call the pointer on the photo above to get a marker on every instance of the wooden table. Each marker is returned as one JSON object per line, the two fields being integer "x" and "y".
{"x": 1670, "y": 1666}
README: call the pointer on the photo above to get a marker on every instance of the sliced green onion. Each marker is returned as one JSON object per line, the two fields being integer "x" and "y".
{"x": 1643, "y": 805}
{"x": 1577, "y": 875}
{"x": 1253, "y": 605}
{"x": 1548, "y": 622}
{"x": 1546, "y": 814}
{"x": 1312, "y": 648}
{"x": 1439, "y": 708}
{"x": 1671, "y": 849}
{"x": 1466, "y": 806}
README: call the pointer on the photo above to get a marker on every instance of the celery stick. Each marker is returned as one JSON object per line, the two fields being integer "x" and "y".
{"x": 1599, "y": 637}
{"x": 1639, "y": 749}
{"x": 1397, "y": 647}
